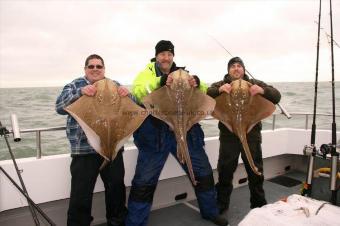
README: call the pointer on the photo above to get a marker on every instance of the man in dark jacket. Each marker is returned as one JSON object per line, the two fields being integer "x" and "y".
{"x": 230, "y": 145}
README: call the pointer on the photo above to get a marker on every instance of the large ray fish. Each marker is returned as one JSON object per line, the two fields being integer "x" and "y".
{"x": 107, "y": 119}
{"x": 180, "y": 106}
{"x": 240, "y": 112}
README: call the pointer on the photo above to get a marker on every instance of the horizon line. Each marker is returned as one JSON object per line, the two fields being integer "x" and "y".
{"x": 58, "y": 86}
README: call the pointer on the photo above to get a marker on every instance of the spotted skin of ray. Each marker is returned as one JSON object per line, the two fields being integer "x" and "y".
{"x": 107, "y": 119}
{"x": 183, "y": 102}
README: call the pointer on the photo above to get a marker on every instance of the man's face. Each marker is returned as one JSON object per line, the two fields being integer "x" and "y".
{"x": 165, "y": 60}
{"x": 236, "y": 71}
{"x": 95, "y": 70}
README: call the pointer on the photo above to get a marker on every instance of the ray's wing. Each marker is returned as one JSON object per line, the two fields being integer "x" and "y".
{"x": 258, "y": 109}
{"x": 131, "y": 118}
{"x": 160, "y": 104}
{"x": 82, "y": 111}
{"x": 198, "y": 105}
{"x": 223, "y": 110}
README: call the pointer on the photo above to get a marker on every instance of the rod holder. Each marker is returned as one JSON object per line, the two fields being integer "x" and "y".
{"x": 15, "y": 128}
{"x": 284, "y": 111}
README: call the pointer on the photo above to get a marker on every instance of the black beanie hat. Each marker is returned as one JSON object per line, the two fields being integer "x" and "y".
{"x": 164, "y": 45}
{"x": 235, "y": 60}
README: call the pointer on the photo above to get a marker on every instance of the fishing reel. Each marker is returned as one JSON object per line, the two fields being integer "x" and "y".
{"x": 3, "y": 130}
{"x": 325, "y": 149}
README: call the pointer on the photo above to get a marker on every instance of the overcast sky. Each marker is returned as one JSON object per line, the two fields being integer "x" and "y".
{"x": 45, "y": 43}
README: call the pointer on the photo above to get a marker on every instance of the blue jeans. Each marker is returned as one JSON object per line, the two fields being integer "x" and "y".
{"x": 155, "y": 141}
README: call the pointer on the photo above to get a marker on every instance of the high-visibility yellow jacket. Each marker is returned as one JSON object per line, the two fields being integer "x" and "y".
{"x": 148, "y": 81}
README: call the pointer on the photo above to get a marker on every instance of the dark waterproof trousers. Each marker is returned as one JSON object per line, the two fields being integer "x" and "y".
{"x": 84, "y": 171}
{"x": 155, "y": 141}
{"x": 227, "y": 163}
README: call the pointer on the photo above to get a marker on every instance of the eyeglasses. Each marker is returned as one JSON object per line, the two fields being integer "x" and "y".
{"x": 95, "y": 66}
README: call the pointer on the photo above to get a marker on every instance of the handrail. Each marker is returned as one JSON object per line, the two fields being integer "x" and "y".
{"x": 46, "y": 129}
{"x": 56, "y": 128}
{"x": 306, "y": 114}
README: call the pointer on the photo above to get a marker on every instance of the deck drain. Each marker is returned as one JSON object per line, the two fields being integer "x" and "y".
{"x": 285, "y": 181}
{"x": 181, "y": 196}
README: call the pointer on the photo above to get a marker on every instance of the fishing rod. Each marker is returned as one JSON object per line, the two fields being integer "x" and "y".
{"x": 311, "y": 150}
{"x": 29, "y": 200}
{"x": 334, "y": 154}
{"x": 283, "y": 110}
{"x": 4, "y": 132}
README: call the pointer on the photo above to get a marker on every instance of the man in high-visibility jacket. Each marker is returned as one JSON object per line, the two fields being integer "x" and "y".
{"x": 155, "y": 141}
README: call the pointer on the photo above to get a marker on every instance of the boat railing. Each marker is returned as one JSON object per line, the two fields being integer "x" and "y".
{"x": 38, "y": 131}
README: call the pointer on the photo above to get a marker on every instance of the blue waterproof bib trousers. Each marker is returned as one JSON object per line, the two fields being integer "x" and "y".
{"x": 155, "y": 141}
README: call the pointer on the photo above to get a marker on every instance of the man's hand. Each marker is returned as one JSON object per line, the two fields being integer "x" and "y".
{"x": 89, "y": 90}
{"x": 225, "y": 88}
{"x": 255, "y": 89}
{"x": 169, "y": 80}
{"x": 123, "y": 91}
{"x": 192, "y": 81}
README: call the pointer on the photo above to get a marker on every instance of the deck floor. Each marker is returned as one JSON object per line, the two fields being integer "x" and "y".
{"x": 183, "y": 213}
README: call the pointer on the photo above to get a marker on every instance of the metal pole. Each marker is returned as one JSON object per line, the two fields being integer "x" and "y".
{"x": 38, "y": 143}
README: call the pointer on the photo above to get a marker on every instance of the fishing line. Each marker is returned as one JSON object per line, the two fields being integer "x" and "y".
{"x": 328, "y": 36}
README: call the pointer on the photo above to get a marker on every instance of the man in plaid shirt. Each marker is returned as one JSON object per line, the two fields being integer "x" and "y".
{"x": 85, "y": 161}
